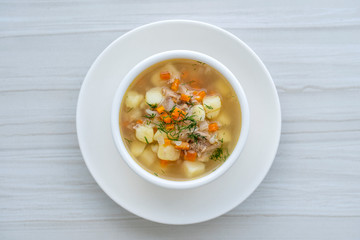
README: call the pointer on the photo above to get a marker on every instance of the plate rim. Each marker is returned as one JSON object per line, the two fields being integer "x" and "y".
{"x": 99, "y": 58}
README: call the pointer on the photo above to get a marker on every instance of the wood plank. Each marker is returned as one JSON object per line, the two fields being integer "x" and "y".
{"x": 312, "y": 50}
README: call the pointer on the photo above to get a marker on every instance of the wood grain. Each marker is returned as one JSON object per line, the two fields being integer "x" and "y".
{"x": 312, "y": 51}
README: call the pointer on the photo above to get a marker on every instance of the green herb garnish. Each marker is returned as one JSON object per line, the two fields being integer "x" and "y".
{"x": 129, "y": 110}
{"x": 200, "y": 63}
{"x": 146, "y": 140}
{"x": 173, "y": 108}
{"x": 190, "y": 103}
{"x": 156, "y": 174}
{"x": 195, "y": 137}
{"x": 152, "y": 105}
{"x": 150, "y": 116}
{"x": 220, "y": 154}
{"x": 209, "y": 107}
{"x": 187, "y": 122}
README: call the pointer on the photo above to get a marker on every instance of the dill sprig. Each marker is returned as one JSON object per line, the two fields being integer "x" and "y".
{"x": 172, "y": 109}
{"x": 195, "y": 137}
{"x": 209, "y": 107}
{"x": 187, "y": 122}
{"x": 220, "y": 154}
{"x": 150, "y": 116}
{"x": 189, "y": 102}
{"x": 152, "y": 105}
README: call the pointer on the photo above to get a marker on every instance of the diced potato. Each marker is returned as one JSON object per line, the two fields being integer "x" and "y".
{"x": 174, "y": 73}
{"x": 148, "y": 157}
{"x": 213, "y": 114}
{"x": 172, "y": 69}
{"x": 135, "y": 114}
{"x": 193, "y": 169}
{"x": 133, "y": 99}
{"x": 154, "y": 147}
{"x": 143, "y": 105}
{"x": 204, "y": 70}
{"x": 154, "y": 96}
{"x": 198, "y": 112}
{"x": 157, "y": 81}
{"x": 225, "y": 135}
{"x": 211, "y": 103}
{"x": 144, "y": 133}
{"x": 168, "y": 152}
{"x": 224, "y": 119}
{"x": 136, "y": 148}
{"x": 158, "y": 134}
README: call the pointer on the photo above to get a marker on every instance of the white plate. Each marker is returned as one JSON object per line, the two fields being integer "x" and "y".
{"x": 127, "y": 188}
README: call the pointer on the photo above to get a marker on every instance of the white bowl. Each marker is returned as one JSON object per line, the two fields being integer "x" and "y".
{"x": 140, "y": 67}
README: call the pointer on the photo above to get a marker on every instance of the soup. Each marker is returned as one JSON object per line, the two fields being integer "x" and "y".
{"x": 180, "y": 119}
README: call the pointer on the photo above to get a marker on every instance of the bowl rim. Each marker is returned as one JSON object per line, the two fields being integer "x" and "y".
{"x": 129, "y": 78}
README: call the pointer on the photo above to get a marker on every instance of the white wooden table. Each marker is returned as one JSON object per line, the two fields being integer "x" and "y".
{"x": 313, "y": 53}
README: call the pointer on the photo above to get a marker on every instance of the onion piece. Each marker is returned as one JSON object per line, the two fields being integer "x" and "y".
{"x": 161, "y": 140}
{"x": 203, "y": 125}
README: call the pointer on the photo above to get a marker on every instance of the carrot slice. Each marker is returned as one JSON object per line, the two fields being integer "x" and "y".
{"x": 190, "y": 156}
{"x": 164, "y": 163}
{"x": 160, "y": 109}
{"x": 167, "y": 142}
{"x": 183, "y": 146}
{"x": 178, "y": 114}
{"x": 139, "y": 121}
{"x": 165, "y": 75}
{"x": 185, "y": 98}
{"x": 166, "y": 118}
{"x": 199, "y": 96}
{"x": 175, "y": 85}
{"x": 213, "y": 127}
